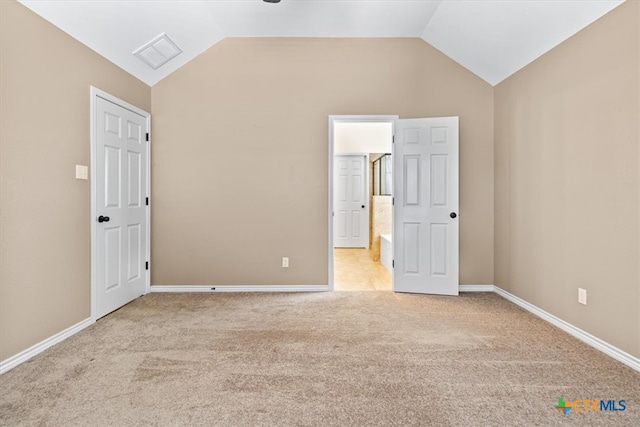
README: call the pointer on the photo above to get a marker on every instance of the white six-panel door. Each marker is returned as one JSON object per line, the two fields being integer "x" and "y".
{"x": 121, "y": 153}
{"x": 425, "y": 232}
{"x": 351, "y": 216}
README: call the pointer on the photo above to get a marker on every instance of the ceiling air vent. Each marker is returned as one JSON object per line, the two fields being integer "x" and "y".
{"x": 158, "y": 51}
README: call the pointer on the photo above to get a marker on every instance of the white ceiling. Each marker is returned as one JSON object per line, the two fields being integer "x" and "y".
{"x": 491, "y": 38}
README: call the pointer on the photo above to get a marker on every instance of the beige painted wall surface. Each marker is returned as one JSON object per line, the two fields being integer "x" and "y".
{"x": 44, "y": 132}
{"x": 567, "y": 180}
{"x": 638, "y": 170}
{"x": 237, "y": 183}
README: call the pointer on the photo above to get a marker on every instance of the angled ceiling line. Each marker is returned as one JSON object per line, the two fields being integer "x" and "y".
{"x": 426, "y": 25}
{"x": 491, "y": 38}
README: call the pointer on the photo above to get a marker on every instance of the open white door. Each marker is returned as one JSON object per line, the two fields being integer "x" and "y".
{"x": 351, "y": 216}
{"x": 425, "y": 212}
{"x": 120, "y": 204}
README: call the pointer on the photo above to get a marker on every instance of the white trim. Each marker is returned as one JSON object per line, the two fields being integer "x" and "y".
{"x": 94, "y": 94}
{"x": 345, "y": 119}
{"x": 148, "y": 272}
{"x": 608, "y": 349}
{"x": 368, "y": 197}
{"x": 232, "y": 288}
{"x": 476, "y": 288}
{"x": 38, "y": 348}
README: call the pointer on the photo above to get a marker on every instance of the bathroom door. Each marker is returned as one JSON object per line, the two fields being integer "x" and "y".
{"x": 425, "y": 211}
{"x": 351, "y": 213}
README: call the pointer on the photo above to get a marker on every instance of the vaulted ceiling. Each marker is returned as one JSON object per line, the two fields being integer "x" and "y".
{"x": 491, "y": 38}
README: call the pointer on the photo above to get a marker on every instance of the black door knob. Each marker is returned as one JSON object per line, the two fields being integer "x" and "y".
{"x": 362, "y": 206}
{"x": 103, "y": 218}
{"x": 453, "y": 215}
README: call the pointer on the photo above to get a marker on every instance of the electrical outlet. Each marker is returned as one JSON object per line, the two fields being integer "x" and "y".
{"x": 582, "y": 296}
{"x": 285, "y": 262}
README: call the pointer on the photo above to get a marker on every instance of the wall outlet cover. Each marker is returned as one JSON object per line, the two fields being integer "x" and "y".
{"x": 582, "y": 296}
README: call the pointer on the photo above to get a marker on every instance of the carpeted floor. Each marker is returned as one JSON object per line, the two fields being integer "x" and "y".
{"x": 317, "y": 359}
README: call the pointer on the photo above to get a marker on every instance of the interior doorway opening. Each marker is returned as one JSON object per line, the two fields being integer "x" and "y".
{"x": 360, "y": 202}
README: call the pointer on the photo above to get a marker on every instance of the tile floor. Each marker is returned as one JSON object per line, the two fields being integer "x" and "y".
{"x": 355, "y": 270}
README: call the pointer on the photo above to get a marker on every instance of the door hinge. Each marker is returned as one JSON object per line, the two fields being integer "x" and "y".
{"x": 146, "y": 265}
{"x": 147, "y": 136}
{"x": 393, "y": 139}
{"x": 393, "y": 201}
{"x": 393, "y": 263}
{"x": 147, "y": 201}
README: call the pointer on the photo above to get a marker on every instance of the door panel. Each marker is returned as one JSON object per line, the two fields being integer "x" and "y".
{"x": 134, "y": 193}
{"x": 426, "y": 194}
{"x": 112, "y": 177}
{"x": 134, "y": 132}
{"x": 112, "y": 258}
{"x": 438, "y": 180}
{"x": 112, "y": 124}
{"x": 356, "y": 224}
{"x": 121, "y": 174}
{"x": 411, "y": 248}
{"x": 439, "y": 249}
{"x": 412, "y": 180}
{"x": 351, "y": 216}
{"x": 135, "y": 257}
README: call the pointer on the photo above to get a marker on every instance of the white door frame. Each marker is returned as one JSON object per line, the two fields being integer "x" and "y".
{"x": 96, "y": 93}
{"x": 344, "y": 119}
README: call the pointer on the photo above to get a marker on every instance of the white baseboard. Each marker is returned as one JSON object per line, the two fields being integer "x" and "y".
{"x": 608, "y": 349}
{"x": 38, "y": 348}
{"x": 476, "y": 288}
{"x": 231, "y": 288}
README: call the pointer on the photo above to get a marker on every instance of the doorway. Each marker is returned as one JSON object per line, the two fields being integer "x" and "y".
{"x": 360, "y": 217}
{"x": 423, "y": 247}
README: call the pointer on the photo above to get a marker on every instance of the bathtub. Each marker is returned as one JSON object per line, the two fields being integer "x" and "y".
{"x": 386, "y": 252}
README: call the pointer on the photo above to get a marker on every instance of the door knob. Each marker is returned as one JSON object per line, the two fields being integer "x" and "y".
{"x": 453, "y": 215}
{"x": 362, "y": 206}
{"x": 103, "y": 218}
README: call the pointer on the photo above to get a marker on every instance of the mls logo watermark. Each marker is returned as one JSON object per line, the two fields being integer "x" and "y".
{"x": 590, "y": 405}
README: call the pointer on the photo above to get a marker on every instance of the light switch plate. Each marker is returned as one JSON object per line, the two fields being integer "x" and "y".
{"x": 82, "y": 172}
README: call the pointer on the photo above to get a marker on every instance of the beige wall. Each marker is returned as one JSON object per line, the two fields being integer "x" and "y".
{"x": 238, "y": 132}
{"x": 567, "y": 162}
{"x": 638, "y": 123}
{"x": 44, "y": 213}
{"x": 567, "y": 166}
{"x": 381, "y": 222}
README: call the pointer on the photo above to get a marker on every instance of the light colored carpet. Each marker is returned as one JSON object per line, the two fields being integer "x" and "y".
{"x": 317, "y": 359}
